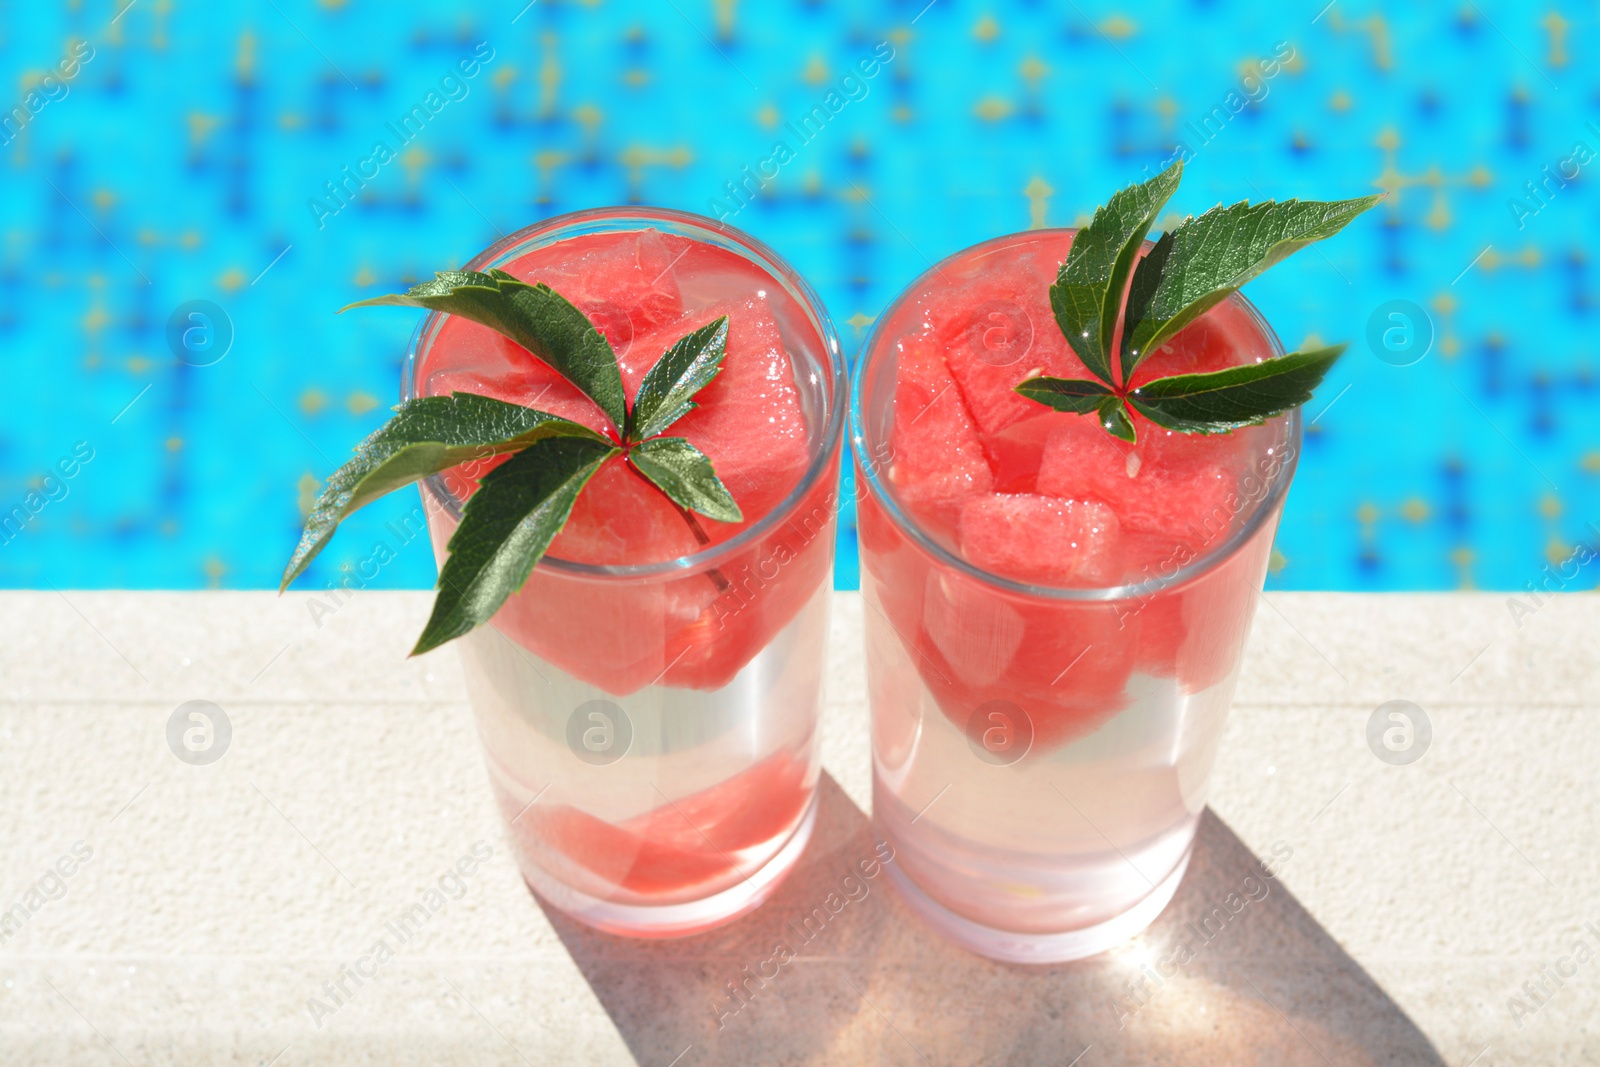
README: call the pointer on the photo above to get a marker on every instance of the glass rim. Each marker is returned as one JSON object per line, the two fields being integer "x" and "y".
{"x": 867, "y": 473}
{"x": 835, "y": 402}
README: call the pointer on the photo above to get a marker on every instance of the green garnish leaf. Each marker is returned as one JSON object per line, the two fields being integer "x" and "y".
{"x": 1198, "y": 265}
{"x": 534, "y": 316}
{"x": 426, "y": 436}
{"x": 1225, "y": 400}
{"x": 1188, "y": 271}
{"x": 505, "y": 529}
{"x": 1114, "y": 418}
{"x": 520, "y": 506}
{"x": 683, "y": 370}
{"x": 1090, "y": 286}
{"x": 684, "y": 473}
{"x": 1066, "y": 394}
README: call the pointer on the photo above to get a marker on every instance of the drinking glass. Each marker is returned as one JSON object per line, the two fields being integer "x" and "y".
{"x": 1041, "y": 755}
{"x": 650, "y": 729}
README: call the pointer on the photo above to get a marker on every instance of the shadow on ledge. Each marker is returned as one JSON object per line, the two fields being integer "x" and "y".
{"x": 1267, "y": 986}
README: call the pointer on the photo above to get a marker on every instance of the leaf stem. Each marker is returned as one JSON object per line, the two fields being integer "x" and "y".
{"x": 715, "y": 574}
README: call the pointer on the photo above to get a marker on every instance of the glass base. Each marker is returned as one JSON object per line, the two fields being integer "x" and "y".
{"x": 1010, "y": 946}
{"x": 676, "y": 920}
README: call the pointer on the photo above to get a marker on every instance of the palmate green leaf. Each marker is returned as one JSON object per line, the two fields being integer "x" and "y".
{"x": 681, "y": 372}
{"x": 684, "y": 473}
{"x": 521, "y": 505}
{"x": 1196, "y": 266}
{"x": 534, "y": 316}
{"x": 1087, "y": 295}
{"x": 1115, "y": 420}
{"x": 1065, "y": 394}
{"x": 1225, "y": 400}
{"x": 426, "y": 436}
{"x": 505, "y": 529}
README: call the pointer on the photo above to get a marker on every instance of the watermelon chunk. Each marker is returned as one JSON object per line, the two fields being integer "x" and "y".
{"x": 1195, "y": 632}
{"x": 619, "y": 519}
{"x": 680, "y": 849}
{"x": 749, "y": 421}
{"x": 988, "y": 383}
{"x": 936, "y": 459}
{"x": 1158, "y": 485}
{"x": 997, "y": 329}
{"x": 974, "y": 632}
{"x": 625, "y": 282}
{"x": 1015, "y": 451}
{"x": 1065, "y": 664}
{"x": 688, "y": 631}
{"x": 1045, "y": 539}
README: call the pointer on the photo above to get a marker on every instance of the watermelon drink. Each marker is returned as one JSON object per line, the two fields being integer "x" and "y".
{"x": 648, "y": 700}
{"x": 1055, "y": 617}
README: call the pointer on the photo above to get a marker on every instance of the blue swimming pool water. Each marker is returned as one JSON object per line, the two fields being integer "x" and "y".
{"x": 163, "y": 153}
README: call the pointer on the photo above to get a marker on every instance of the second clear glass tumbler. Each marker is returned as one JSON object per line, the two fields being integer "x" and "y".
{"x": 1054, "y": 617}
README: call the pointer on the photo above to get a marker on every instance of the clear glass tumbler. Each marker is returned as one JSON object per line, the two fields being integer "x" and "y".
{"x": 1041, "y": 754}
{"x": 651, "y": 729}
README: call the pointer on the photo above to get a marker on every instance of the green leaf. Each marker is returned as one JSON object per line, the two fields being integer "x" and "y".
{"x": 505, "y": 529}
{"x": 1115, "y": 420}
{"x": 683, "y": 370}
{"x": 534, "y": 316}
{"x": 1065, "y": 394}
{"x": 684, "y": 473}
{"x": 1239, "y": 396}
{"x": 425, "y": 436}
{"x": 1196, "y": 266}
{"x": 1087, "y": 295}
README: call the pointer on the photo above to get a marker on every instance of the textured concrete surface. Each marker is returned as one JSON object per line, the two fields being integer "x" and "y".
{"x": 215, "y": 901}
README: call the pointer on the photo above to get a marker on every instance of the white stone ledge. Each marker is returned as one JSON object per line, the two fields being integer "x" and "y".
{"x": 219, "y": 899}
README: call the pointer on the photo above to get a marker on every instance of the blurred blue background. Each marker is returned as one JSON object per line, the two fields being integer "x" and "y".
{"x": 165, "y": 152}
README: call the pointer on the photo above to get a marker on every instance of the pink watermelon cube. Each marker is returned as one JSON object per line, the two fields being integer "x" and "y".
{"x": 1167, "y": 484}
{"x": 677, "y": 851}
{"x": 936, "y": 459}
{"x": 1046, "y": 539}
